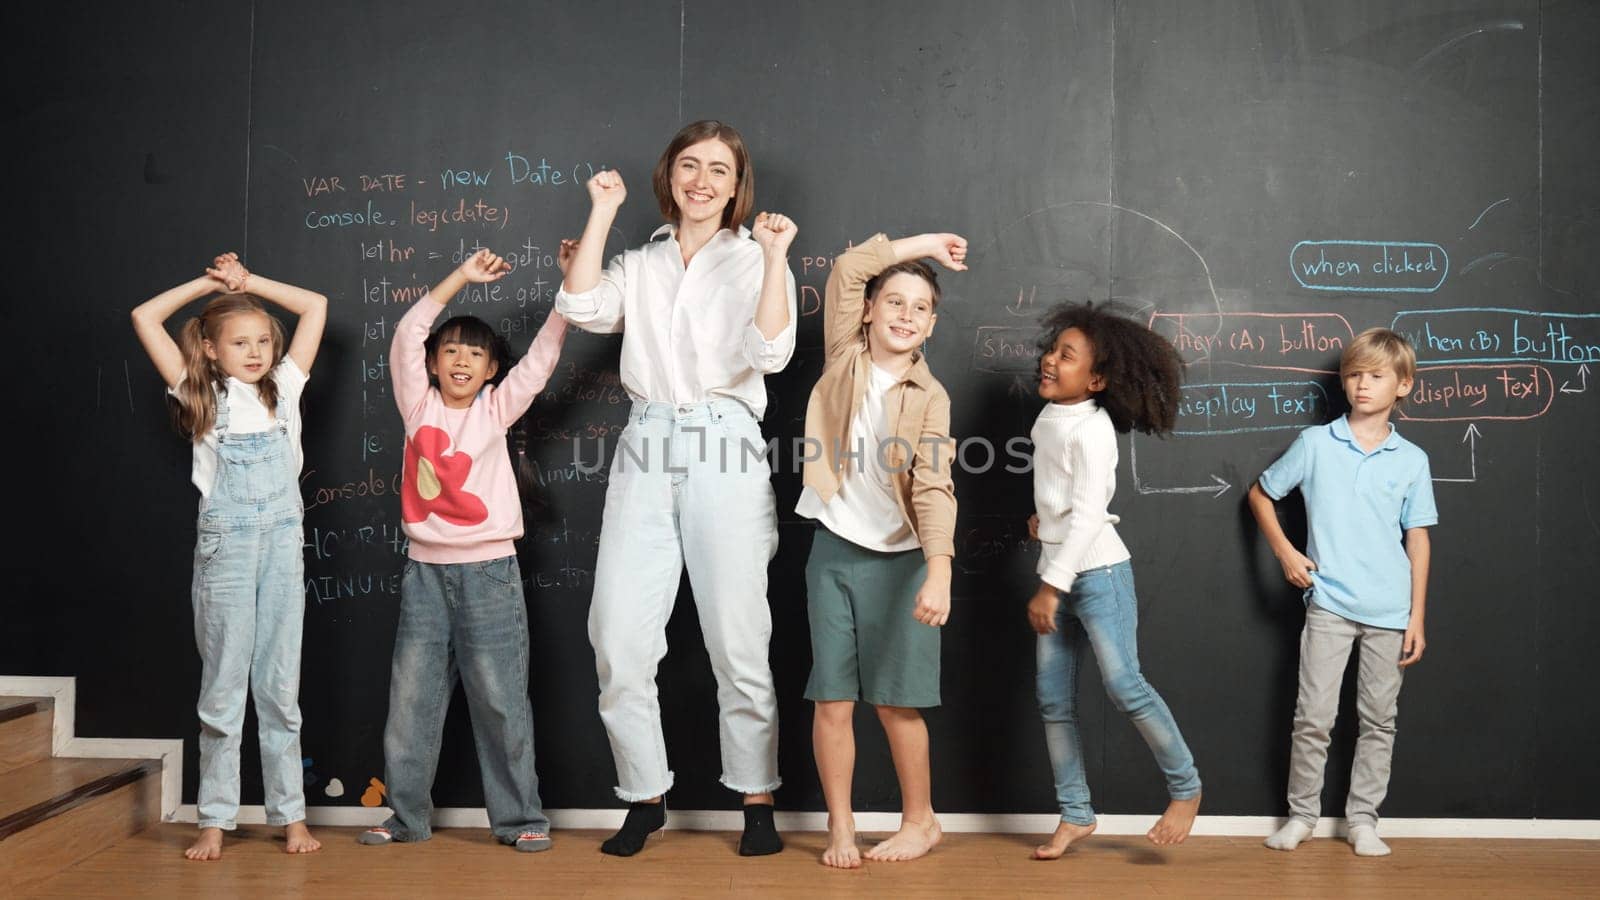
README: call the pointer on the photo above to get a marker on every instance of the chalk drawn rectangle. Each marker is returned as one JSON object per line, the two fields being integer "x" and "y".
{"x": 1282, "y": 342}
{"x": 1315, "y": 412}
{"x": 1360, "y": 258}
{"x": 1500, "y": 335}
{"x": 1005, "y": 350}
{"x": 1433, "y": 381}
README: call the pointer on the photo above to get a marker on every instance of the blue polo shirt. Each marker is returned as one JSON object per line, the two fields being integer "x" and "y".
{"x": 1358, "y": 505}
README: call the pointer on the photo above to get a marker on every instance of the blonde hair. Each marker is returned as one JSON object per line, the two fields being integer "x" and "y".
{"x": 1379, "y": 348}
{"x": 744, "y": 192}
{"x": 194, "y": 407}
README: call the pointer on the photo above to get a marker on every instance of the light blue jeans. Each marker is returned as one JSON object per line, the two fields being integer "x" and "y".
{"x": 689, "y": 486}
{"x": 462, "y": 622}
{"x": 1102, "y": 612}
{"x": 249, "y": 604}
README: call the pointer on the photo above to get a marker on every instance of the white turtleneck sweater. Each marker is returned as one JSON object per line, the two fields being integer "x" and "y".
{"x": 1074, "y": 478}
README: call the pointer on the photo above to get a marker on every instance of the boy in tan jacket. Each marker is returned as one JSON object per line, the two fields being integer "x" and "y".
{"x": 878, "y": 577}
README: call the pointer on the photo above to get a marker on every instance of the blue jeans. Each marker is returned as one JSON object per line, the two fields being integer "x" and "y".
{"x": 249, "y": 600}
{"x": 1102, "y": 612}
{"x": 466, "y": 622}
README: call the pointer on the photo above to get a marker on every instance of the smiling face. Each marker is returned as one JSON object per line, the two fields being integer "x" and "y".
{"x": 1066, "y": 371}
{"x": 461, "y": 370}
{"x": 1373, "y": 391}
{"x": 704, "y": 179}
{"x": 901, "y": 316}
{"x": 244, "y": 346}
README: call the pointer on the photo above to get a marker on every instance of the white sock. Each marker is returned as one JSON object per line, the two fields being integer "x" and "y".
{"x": 1366, "y": 841}
{"x": 1290, "y": 836}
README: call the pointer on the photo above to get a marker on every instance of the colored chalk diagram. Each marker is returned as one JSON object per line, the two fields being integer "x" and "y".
{"x": 1474, "y": 364}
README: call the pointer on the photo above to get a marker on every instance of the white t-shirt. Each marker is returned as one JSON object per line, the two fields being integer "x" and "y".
{"x": 864, "y": 511}
{"x": 247, "y": 415}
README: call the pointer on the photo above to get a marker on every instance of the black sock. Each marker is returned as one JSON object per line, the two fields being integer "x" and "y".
{"x": 642, "y": 819}
{"x": 760, "y": 836}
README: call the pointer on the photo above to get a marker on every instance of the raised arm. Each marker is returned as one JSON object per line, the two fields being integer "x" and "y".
{"x": 774, "y": 232}
{"x": 531, "y": 373}
{"x": 589, "y": 297}
{"x": 309, "y": 307}
{"x": 149, "y": 323}
{"x": 606, "y": 193}
{"x": 847, "y": 285}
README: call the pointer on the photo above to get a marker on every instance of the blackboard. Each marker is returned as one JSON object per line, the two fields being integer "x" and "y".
{"x": 1258, "y": 180}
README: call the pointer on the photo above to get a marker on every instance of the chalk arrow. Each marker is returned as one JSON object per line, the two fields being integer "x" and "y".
{"x": 1216, "y": 489}
{"x": 1470, "y": 438}
{"x": 1583, "y": 378}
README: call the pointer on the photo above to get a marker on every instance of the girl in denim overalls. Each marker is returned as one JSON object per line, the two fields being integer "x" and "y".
{"x": 236, "y": 395}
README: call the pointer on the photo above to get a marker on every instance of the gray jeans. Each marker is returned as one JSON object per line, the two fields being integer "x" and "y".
{"x": 1325, "y": 646}
{"x": 466, "y": 623}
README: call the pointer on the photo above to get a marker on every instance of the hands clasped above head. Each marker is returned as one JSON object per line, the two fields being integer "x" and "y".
{"x": 228, "y": 271}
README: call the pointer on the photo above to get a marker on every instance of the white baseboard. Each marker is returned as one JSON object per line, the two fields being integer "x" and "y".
{"x": 64, "y": 740}
{"x": 170, "y": 752}
{"x": 989, "y": 823}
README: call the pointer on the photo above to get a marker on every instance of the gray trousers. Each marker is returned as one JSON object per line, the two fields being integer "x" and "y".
{"x": 1324, "y": 653}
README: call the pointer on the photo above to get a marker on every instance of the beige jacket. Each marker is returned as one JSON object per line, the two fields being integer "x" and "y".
{"x": 917, "y": 405}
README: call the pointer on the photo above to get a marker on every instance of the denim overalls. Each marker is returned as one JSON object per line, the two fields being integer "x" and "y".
{"x": 249, "y": 608}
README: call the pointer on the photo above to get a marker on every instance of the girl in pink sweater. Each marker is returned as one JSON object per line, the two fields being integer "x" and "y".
{"x": 462, "y": 614}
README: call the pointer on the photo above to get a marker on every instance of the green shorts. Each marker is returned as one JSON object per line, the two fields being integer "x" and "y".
{"x": 865, "y": 645}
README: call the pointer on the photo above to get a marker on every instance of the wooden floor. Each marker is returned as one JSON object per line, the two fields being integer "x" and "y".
{"x": 465, "y": 864}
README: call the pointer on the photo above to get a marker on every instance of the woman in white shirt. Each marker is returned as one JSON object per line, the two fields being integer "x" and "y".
{"x": 705, "y": 312}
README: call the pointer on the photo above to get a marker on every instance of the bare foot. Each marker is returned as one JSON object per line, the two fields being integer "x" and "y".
{"x": 299, "y": 839}
{"x": 207, "y": 846}
{"x": 842, "y": 852}
{"x": 1174, "y": 824}
{"x": 914, "y": 839}
{"x": 1066, "y": 835}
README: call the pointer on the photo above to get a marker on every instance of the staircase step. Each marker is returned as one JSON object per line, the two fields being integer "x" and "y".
{"x": 25, "y": 730}
{"x": 55, "y": 812}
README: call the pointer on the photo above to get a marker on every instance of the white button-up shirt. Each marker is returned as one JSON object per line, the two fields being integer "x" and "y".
{"x": 689, "y": 332}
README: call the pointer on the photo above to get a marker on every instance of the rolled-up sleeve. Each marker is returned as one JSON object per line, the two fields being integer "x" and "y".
{"x": 766, "y": 356}
{"x": 599, "y": 309}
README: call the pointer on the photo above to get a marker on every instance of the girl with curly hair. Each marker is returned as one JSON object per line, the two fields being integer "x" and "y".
{"x": 1102, "y": 373}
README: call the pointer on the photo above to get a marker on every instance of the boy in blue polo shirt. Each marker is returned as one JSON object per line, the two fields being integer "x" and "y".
{"x": 1369, "y": 501}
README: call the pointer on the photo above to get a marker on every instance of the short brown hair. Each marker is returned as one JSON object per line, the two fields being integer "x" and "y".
{"x": 744, "y": 194}
{"x": 910, "y": 267}
{"x": 1378, "y": 348}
